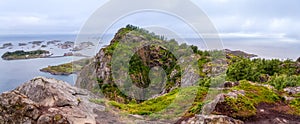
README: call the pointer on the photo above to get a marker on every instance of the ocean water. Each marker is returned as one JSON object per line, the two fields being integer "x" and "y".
{"x": 15, "y": 72}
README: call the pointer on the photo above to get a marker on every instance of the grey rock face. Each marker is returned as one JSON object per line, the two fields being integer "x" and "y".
{"x": 86, "y": 77}
{"x": 43, "y": 100}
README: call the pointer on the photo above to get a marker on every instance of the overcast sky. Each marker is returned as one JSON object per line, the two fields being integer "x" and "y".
{"x": 232, "y": 18}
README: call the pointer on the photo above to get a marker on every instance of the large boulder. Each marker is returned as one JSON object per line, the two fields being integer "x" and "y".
{"x": 44, "y": 100}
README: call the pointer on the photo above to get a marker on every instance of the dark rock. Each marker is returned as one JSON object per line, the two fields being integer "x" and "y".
{"x": 66, "y": 45}
{"x": 53, "y": 42}
{"x": 6, "y": 45}
{"x": 22, "y": 44}
{"x": 229, "y": 84}
{"x": 38, "y": 43}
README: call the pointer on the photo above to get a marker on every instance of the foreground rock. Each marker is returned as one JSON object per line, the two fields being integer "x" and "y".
{"x": 212, "y": 119}
{"x": 43, "y": 100}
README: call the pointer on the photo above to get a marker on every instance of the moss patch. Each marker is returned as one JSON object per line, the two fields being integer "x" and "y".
{"x": 295, "y": 104}
{"x": 171, "y": 103}
{"x": 245, "y": 105}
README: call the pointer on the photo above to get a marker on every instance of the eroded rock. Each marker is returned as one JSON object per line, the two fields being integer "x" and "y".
{"x": 44, "y": 100}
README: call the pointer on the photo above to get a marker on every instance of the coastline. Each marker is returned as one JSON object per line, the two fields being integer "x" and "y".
{"x": 13, "y": 67}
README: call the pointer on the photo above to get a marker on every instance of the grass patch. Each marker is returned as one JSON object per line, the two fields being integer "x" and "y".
{"x": 173, "y": 104}
{"x": 244, "y": 105}
{"x": 295, "y": 104}
{"x": 147, "y": 107}
{"x": 258, "y": 94}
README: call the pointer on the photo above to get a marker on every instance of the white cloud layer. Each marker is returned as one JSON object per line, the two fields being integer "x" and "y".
{"x": 233, "y": 18}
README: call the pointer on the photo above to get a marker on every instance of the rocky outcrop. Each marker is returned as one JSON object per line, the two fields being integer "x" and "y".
{"x": 43, "y": 100}
{"x": 212, "y": 119}
{"x": 292, "y": 90}
{"x": 86, "y": 77}
{"x": 99, "y": 72}
{"x": 6, "y": 45}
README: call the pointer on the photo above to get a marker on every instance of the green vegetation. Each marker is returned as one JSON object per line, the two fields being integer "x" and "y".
{"x": 68, "y": 68}
{"x": 296, "y": 105}
{"x": 20, "y": 54}
{"x": 283, "y": 81}
{"x": 174, "y": 101}
{"x": 258, "y": 93}
{"x": 143, "y": 60}
{"x": 111, "y": 91}
{"x": 250, "y": 73}
{"x": 148, "y": 107}
{"x": 280, "y": 74}
{"x": 244, "y": 105}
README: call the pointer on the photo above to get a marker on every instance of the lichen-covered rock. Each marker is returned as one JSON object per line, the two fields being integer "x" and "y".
{"x": 44, "y": 100}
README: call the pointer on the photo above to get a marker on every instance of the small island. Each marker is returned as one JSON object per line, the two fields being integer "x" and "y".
{"x": 20, "y": 54}
{"x": 67, "y": 68}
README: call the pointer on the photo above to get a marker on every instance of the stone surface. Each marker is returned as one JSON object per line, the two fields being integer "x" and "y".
{"x": 292, "y": 90}
{"x": 211, "y": 119}
{"x": 43, "y": 100}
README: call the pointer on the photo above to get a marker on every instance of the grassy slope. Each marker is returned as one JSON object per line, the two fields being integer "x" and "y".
{"x": 239, "y": 69}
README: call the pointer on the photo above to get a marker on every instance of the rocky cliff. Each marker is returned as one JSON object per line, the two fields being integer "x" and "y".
{"x": 98, "y": 74}
{"x": 244, "y": 101}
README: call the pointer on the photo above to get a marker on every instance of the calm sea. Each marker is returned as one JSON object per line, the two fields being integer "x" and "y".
{"x": 13, "y": 73}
